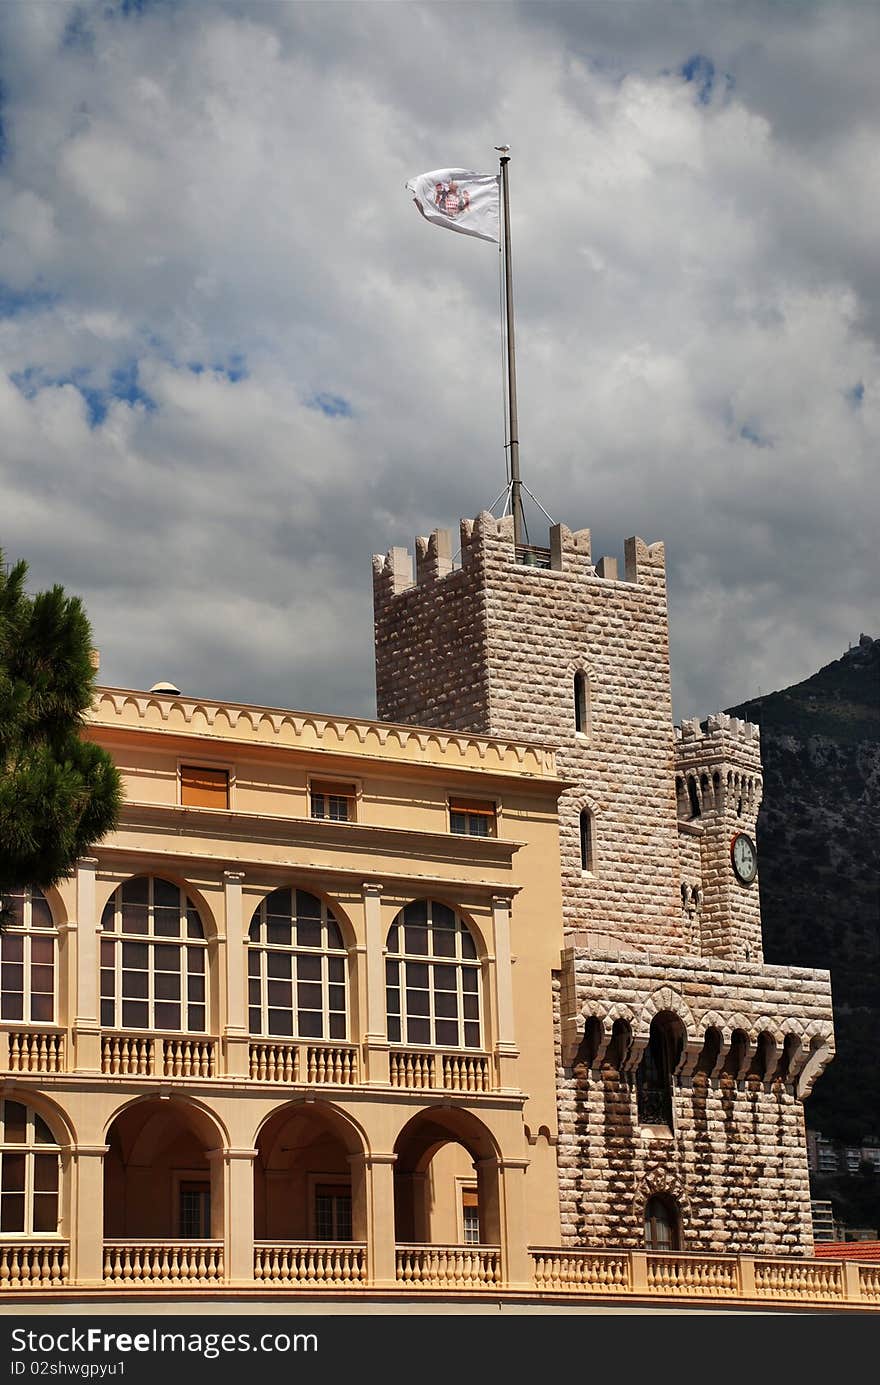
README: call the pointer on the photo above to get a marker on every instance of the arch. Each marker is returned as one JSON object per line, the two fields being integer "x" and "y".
{"x": 437, "y": 1151}
{"x": 209, "y": 1125}
{"x": 31, "y": 1175}
{"x": 666, "y": 999}
{"x": 106, "y": 890}
{"x": 310, "y": 1174}
{"x": 654, "y": 1075}
{"x": 350, "y": 1131}
{"x": 154, "y": 958}
{"x": 160, "y": 1179}
{"x": 31, "y": 959}
{"x": 713, "y": 1039}
{"x": 298, "y": 968}
{"x": 341, "y": 915}
{"x": 662, "y": 1223}
{"x": 590, "y": 1045}
{"x": 433, "y": 978}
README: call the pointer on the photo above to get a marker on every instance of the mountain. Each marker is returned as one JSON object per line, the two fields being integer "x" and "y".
{"x": 818, "y": 838}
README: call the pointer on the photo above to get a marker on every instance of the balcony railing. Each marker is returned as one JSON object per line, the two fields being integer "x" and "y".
{"x": 448, "y": 1267}
{"x": 765, "y": 1282}
{"x": 32, "y": 1050}
{"x": 136, "y": 1263}
{"x": 276, "y": 1061}
{"x": 439, "y": 1071}
{"x": 155, "y": 1055}
{"x": 319, "y": 1265}
{"x": 34, "y": 1264}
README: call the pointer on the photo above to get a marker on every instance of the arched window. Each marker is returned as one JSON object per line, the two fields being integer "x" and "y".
{"x": 296, "y": 969}
{"x": 654, "y": 1073}
{"x": 29, "y": 1171}
{"x": 661, "y": 1224}
{"x": 581, "y": 704}
{"x": 586, "y": 840}
{"x": 153, "y": 959}
{"x": 27, "y": 952}
{"x": 432, "y": 978}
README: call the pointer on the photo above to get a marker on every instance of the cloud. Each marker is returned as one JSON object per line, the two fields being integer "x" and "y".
{"x": 234, "y": 362}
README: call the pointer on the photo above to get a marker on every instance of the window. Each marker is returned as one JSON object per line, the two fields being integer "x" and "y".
{"x": 696, "y": 810}
{"x": 333, "y": 1212}
{"x": 204, "y": 788}
{"x": 194, "y": 1209}
{"x": 333, "y": 801}
{"x": 581, "y": 704}
{"x": 153, "y": 959}
{"x": 470, "y": 1217}
{"x": 661, "y": 1224}
{"x": 27, "y": 959}
{"x": 29, "y": 1172}
{"x": 472, "y": 817}
{"x": 586, "y": 841}
{"x": 296, "y": 969}
{"x": 654, "y": 1074}
{"x": 432, "y": 978}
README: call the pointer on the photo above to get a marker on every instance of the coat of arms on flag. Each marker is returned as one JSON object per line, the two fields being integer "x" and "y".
{"x": 460, "y": 200}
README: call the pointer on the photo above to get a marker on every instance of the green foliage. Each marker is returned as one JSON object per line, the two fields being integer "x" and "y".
{"x": 59, "y": 793}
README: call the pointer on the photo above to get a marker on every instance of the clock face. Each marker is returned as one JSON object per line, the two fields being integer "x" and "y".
{"x": 744, "y": 858}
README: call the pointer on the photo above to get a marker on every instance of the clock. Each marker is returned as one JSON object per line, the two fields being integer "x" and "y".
{"x": 744, "y": 858}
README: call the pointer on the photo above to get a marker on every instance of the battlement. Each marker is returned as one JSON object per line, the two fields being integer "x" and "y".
{"x": 489, "y": 540}
{"x": 692, "y": 729}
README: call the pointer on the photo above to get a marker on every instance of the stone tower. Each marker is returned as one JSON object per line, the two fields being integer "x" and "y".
{"x": 683, "y": 1061}
{"x": 566, "y": 652}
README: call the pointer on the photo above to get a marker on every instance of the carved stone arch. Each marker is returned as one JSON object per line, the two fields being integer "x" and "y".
{"x": 659, "y": 1181}
{"x": 821, "y": 1052}
{"x": 712, "y": 1019}
{"x": 665, "y": 998}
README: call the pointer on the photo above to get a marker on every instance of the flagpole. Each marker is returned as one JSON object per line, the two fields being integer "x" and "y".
{"x": 515, "y": 482}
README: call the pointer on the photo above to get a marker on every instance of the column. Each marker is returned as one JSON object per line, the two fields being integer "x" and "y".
{"x": 374, "y": 1021}
{"x": 506, "y": 1051}
{"x": 86, "y": 1025}
{"x": 502, "y": 1198}
{"x": 378, "y": 1185}
{"x": 236, "y": 1042}
{"x": 238, "y": 1212}
{"x": 87, "y": 1214}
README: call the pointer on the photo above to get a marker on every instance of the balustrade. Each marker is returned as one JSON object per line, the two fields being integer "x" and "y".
{"x": 812, "y": 1279}
{"x": 34, "y": 1265}
{"x": 314, "y": 1266}
{"x": 704, "y": 1275}
{"x": 580, "y": 1271}
{"x": 439, "y": 1071}
{"x": 449, "y": 1267}
{"x": 137, "y": 1263}
{"x": 35, "y": 1050}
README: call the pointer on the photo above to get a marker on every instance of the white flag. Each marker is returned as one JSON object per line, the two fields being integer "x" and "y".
{"x": 463, "y": 201}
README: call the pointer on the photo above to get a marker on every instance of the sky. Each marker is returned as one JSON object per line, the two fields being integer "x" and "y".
{"x": 235, "y": 362}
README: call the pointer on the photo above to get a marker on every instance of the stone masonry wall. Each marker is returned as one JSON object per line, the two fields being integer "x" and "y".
{"x": 495, "y": 648}
{"x": 755, "y": 1040}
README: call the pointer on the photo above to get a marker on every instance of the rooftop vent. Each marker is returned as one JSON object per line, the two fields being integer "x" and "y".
{"x": 165, "y": 688}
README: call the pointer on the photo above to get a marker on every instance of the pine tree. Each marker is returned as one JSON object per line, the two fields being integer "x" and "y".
{"x": 59, "y": 793}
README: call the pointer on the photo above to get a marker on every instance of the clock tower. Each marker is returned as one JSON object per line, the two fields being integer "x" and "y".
{"x": 718, "y": 790}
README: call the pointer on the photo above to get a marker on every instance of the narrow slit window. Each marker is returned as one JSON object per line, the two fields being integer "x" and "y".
{"x": 204, "y": 788}
{"x": 473, "y": 817}
{"x": 332, "y": 801}
{"x": 581, "y": 704}
{"x": 586, "y": 841}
